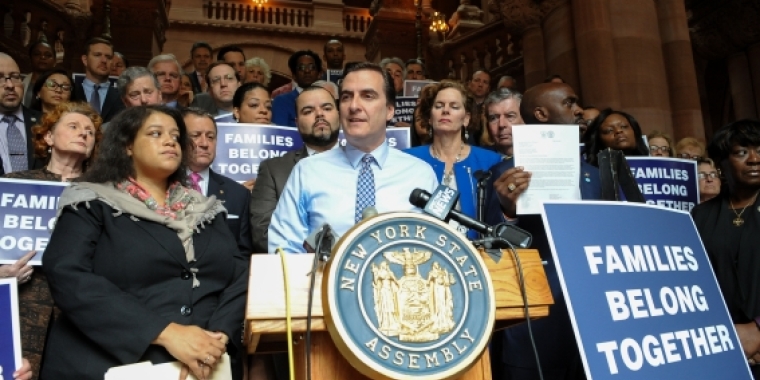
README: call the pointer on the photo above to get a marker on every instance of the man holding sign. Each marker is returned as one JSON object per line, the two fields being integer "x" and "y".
{"x": 546, "y": 103}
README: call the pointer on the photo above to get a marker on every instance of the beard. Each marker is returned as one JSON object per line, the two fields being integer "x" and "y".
{"x": 322, "y": 139}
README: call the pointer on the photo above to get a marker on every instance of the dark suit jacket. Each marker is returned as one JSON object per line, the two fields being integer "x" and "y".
{"x": 112, "y": 105}
{"x": 284, "y": 109}
{"x": 196, "y": 84}
{"x": 205, "y": 102}
{"x": 235, "y": 198}
{"x": 31, "y": 118}
{"x": 554, "y": 336}
{"x": 119, "y": 282}
{"x": 273, "y": 174}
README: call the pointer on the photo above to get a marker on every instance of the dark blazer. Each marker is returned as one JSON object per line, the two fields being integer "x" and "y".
{"x": 205, "y": 102}
{"x": 119, "y": 282}
{"x": 195, "y": 82}
{"x": 284, "y": 109}
{"x": 31, "y": 118}
{"x": 273, "y": 174}
{"x": 112, "y": 105}
{"x": 235, "y": 198}
{"x": 554, "y": 336}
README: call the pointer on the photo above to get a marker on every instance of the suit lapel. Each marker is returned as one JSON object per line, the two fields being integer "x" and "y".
{"x": 216, "y": 186}
{"x": 108, "y": 102}
{"x": 166, "y": 238}
{"x": 30, "y": 119}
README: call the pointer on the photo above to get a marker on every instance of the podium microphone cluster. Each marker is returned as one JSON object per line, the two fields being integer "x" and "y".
{"x": 441, "y": 204}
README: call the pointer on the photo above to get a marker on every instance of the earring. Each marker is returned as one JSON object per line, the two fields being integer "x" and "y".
{"x": 430, "y": 132}
{"x": 50, "y": 150}
{"x": 466, "y": 134}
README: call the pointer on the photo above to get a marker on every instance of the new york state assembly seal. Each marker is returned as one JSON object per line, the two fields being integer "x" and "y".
{"x": 407, "y": 296}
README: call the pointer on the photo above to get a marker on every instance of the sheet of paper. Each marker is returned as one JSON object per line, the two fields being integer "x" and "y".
{"x": 146, "y": 370}
{"x": 550, "y": 153}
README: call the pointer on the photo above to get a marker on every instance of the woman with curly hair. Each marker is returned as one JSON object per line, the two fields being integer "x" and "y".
{"x": 65, "y": 139}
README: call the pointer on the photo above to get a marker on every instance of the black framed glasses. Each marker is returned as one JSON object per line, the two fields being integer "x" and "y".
{"x": 54, "y": 86}
{"x": 688, "y": 156}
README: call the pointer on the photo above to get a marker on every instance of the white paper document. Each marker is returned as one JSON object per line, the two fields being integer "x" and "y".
{"x": 550, "y": 153}
{"x": 169, "y": 371}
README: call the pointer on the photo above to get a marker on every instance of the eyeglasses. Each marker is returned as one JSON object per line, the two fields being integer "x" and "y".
{"x": 54, "y": 86}
{"x": 688, "y": 156}
{"x": 227, "y": 78}
{"x": 14, "y": 77}
{"x": 711, "y": 175}
{"x": 655, "y": 149}
{"x": 306, "y": 68}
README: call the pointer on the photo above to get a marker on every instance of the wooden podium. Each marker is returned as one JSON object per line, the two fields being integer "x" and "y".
{"x": 265, "y": 325}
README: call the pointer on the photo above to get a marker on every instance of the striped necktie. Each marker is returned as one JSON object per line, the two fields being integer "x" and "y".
{"x": 16, "y": 144}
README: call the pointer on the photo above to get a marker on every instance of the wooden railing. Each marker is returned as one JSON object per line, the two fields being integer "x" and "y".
{"x": 294, "y": 15}
{"x": 356, "y": 20}
{"x": 491, "y": 48}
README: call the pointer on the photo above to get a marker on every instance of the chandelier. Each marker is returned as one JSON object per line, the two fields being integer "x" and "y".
{"x": 259, "y": 3}
{"x": 438, "y": 23}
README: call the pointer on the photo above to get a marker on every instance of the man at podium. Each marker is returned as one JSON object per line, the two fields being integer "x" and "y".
{"x": 335, "y": 187}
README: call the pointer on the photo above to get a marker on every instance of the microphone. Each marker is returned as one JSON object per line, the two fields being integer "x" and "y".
{"x": 482, "y": 175}
{"x": 325, "y": 238}
{"x": 441, "y": 204}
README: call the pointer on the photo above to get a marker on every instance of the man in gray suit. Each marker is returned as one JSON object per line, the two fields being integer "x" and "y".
{"x": 318, "y": 123}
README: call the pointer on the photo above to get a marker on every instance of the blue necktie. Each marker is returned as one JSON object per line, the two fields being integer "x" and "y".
{"x": 95, "y": 98}
{"x": 16, "y": 144}
{"x": 365, "y": 187}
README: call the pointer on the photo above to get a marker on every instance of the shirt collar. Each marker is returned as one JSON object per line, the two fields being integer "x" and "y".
{"x": 355, "y": 156}
{"x": 312, "y": 152}
{"x": 90, "y": 84}
{"x": 19, "y": 114}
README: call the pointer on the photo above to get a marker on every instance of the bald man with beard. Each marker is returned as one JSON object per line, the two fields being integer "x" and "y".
{"x": 546, "y": 103}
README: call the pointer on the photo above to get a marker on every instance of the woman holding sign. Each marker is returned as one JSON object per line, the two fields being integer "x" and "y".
{"x": 446, "y": 113}
{"x": 615, "y": 130}
{"x": 142, "y": 267}
{"x": 729, "y": 225}
{"x": 65, "y": 139}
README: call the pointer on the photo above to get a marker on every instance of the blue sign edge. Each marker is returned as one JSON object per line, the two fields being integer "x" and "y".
{"x": 15, "y": 321}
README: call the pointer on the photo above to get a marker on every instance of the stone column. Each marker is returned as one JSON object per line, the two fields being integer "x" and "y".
{"x": 596, "y": 56}
{"x": 740, "y": 80}
{"x": 641, "y": 78}
{"x": 753, "y": 53}
{"x": 534, "y": 59}
{"x": 561, "y": 56}
{"x": 679, "y": 67}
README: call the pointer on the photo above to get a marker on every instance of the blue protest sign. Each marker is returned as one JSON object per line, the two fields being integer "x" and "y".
{"x": 412, "y": 88}
{"x": 28, "y": 212}
{"x": 667, "y": 182}
{"x": 241, "y": 148}
{"x": 10, "y": 330}
{"x": 335, "y": 76}
{"x": 641, "y": 293}
{"x": 398, "y": 138}
{"x": 404, "y": 110}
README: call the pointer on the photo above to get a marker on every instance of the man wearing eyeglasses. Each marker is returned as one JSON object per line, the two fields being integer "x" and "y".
{"x": 306, "y": 67}
{"x": 96, "y": 89}
{"x": 166, "y": 69}
{"x": 222, "y": 83}
{"x": 16, "y": 121}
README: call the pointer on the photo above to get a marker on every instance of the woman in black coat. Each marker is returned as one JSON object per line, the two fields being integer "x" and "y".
{"x": 141, "y": 266}
{"x": 729, "y": 225}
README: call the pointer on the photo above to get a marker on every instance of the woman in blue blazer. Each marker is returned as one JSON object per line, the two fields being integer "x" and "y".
{"x": 446, "y": 115}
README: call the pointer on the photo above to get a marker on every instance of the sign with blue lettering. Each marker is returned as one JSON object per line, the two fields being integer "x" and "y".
{"x": 27, "y": 209}
{"x": 667, "y": 182}
{"x": 641, "y": 293}
{"x": 10, "y": 330}
{"x": 335, "y": 76}
{"x": 404, "y": 111}
{"x": 241, "y": 148}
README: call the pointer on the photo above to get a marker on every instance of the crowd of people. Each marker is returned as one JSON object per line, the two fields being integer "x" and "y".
{"x": 149, "y": 256}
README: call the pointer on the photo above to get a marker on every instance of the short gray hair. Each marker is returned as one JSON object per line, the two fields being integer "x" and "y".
{"x": 499, "y": 96}
{"x": 260, "y": 62}
{"x": 132, "y": 74}
{"x": 395, "y": 60}
{"x": 325, "y": 84}
{"x": 165, "y": 58}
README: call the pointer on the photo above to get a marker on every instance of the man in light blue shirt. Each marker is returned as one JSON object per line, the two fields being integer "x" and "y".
{"x": 323, "y": 188}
